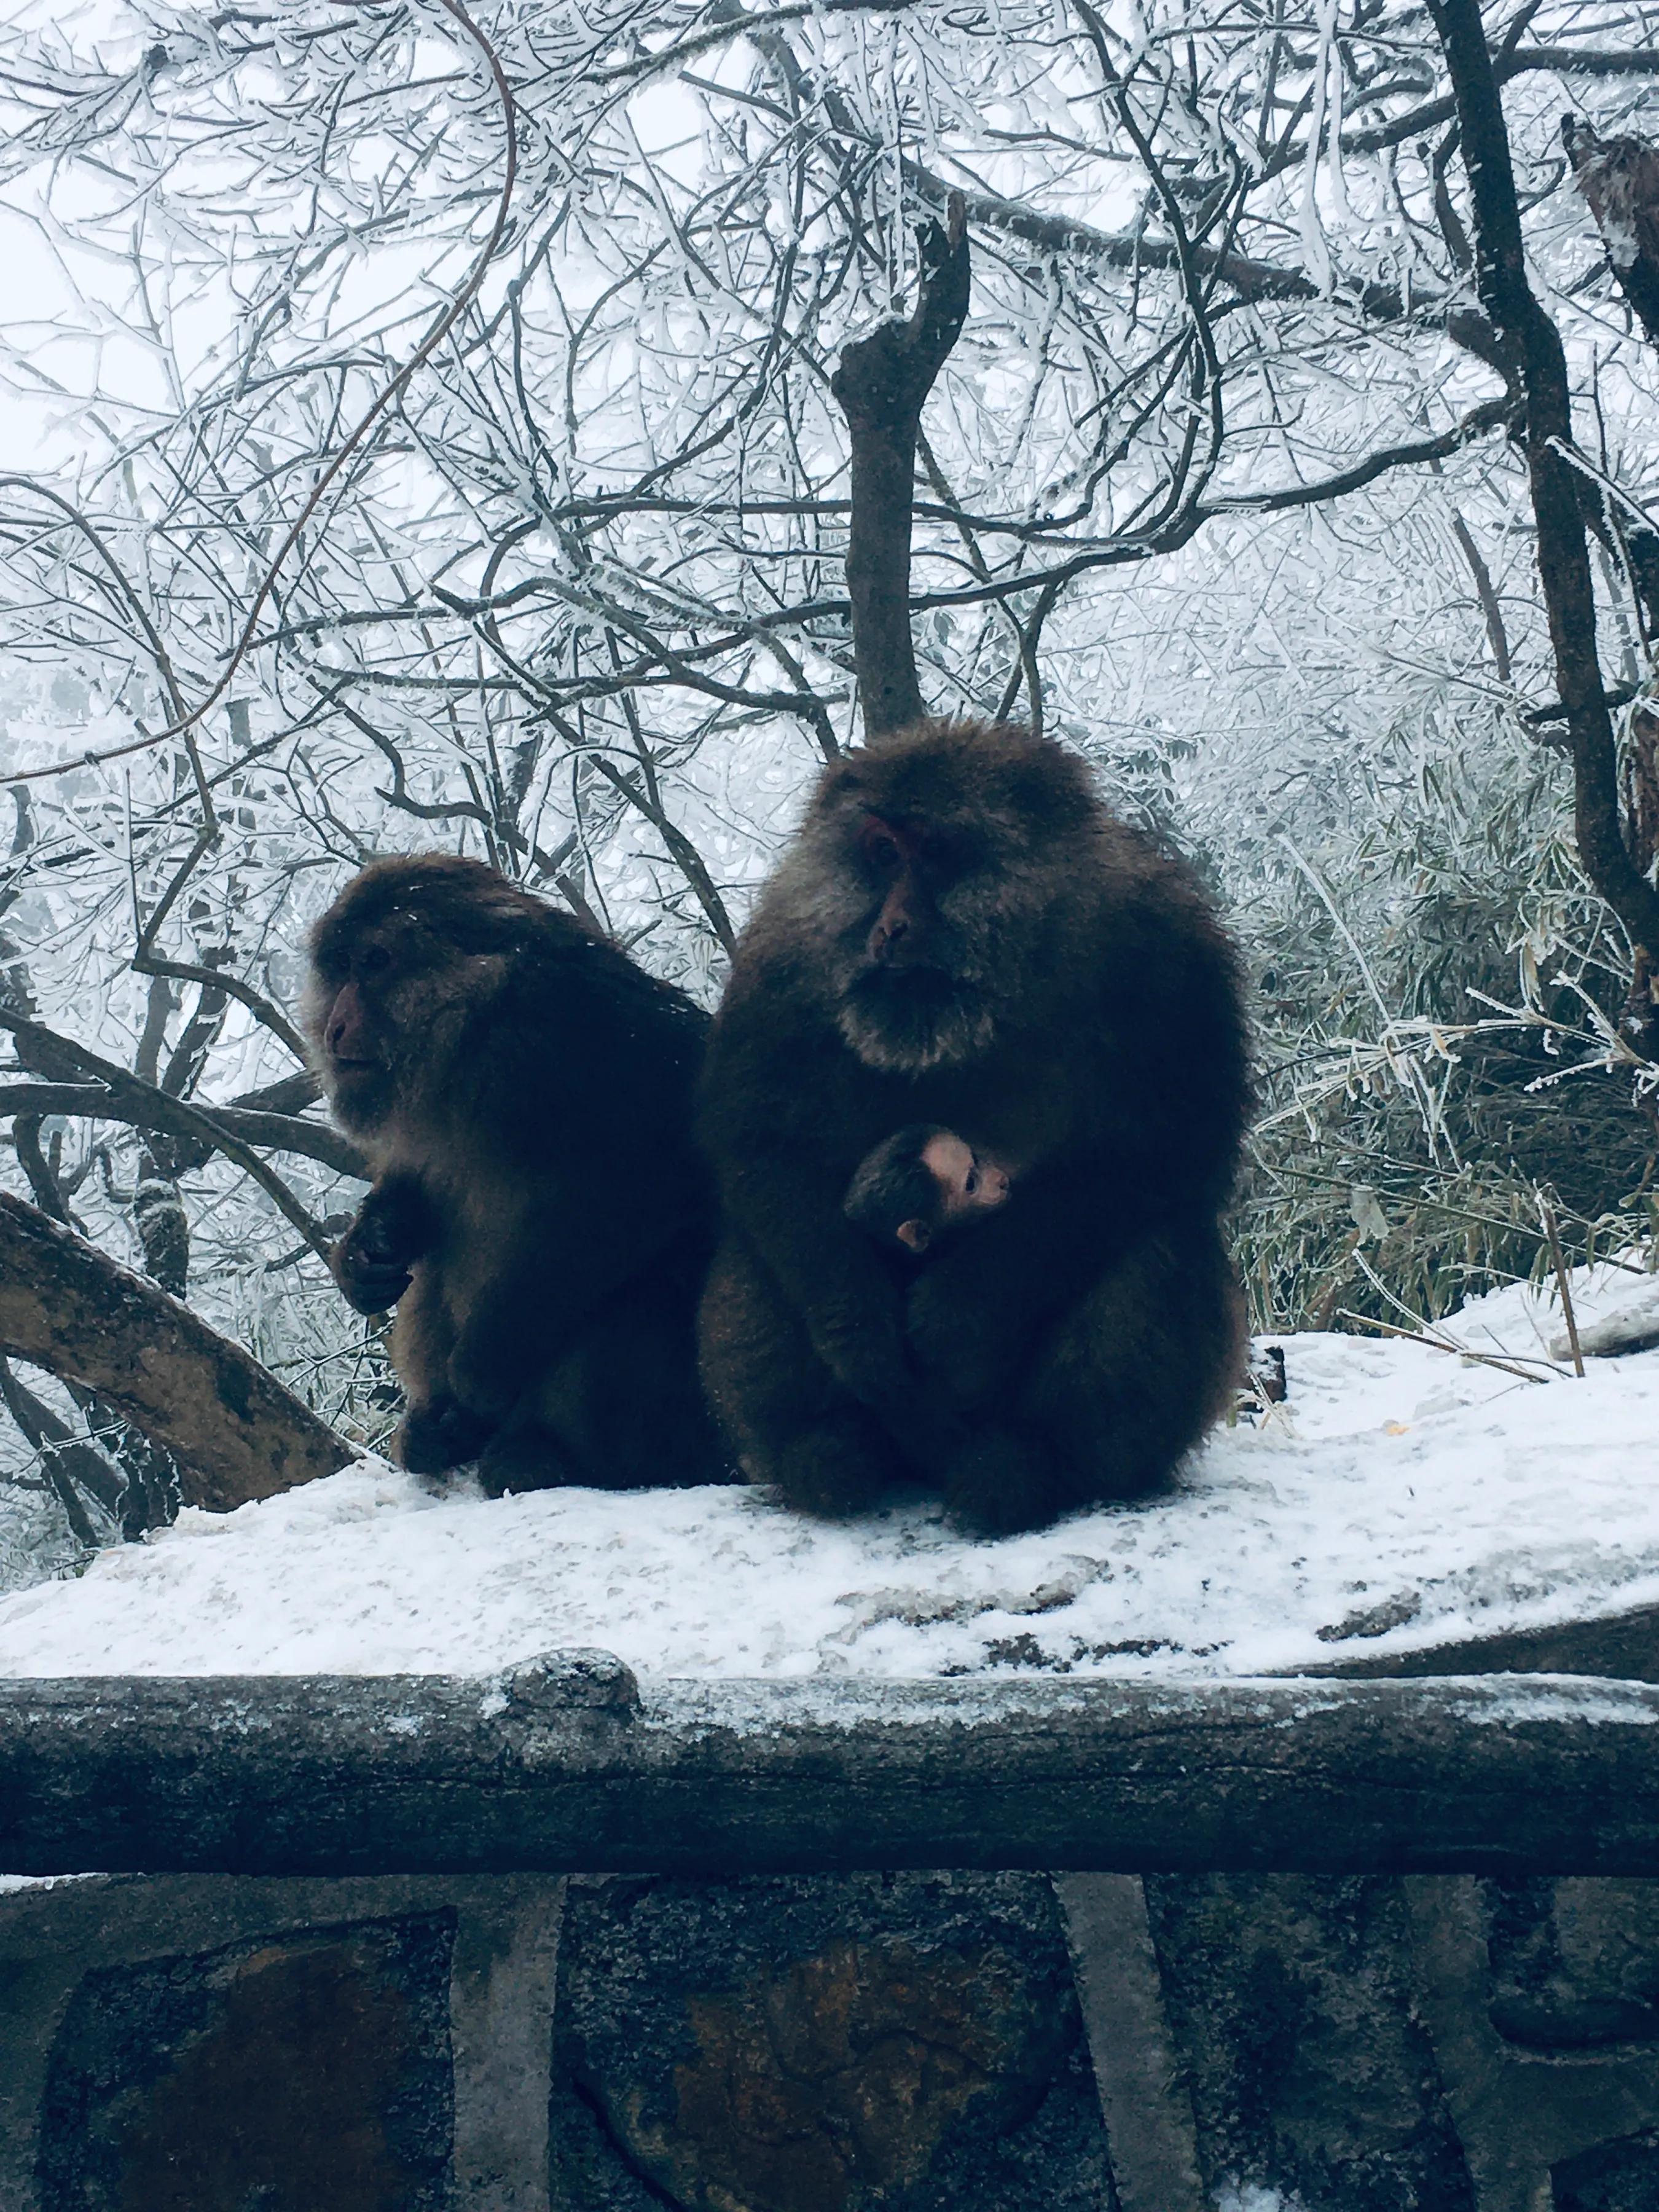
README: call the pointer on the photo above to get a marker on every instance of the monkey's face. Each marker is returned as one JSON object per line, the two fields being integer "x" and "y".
{"x": 909, "y": 964}
{"x": 967, "y": 1183}
{"x": 927, "y": 878}
{"x": 388, "y": 1001}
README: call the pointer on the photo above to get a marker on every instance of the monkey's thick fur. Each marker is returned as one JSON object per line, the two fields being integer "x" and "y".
{"x": 524, "y": 1094}
{"x": 962, "y": 933}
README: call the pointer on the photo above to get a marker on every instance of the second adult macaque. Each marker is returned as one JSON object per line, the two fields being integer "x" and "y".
{"x": 524, "y": 1094}
{"x": 921, "y": 1185}
{"x": 962, "y": 934}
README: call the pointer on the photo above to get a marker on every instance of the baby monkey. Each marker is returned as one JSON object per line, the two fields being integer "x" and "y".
{"x": 920, "y": 1184}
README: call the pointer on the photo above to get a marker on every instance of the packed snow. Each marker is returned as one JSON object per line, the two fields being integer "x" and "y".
{"x": 1399, "y": 1497}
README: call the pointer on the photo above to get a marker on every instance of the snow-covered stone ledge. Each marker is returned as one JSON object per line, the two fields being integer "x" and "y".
{"x": 1399, "y": 1509}
{"x": 569, "y": 1766}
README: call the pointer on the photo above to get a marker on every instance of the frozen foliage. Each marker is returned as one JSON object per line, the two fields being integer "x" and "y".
{"x": 1250, "y": 2196}
{"x": 35, "y": 1540}
{"x": 1400, "y": 1499}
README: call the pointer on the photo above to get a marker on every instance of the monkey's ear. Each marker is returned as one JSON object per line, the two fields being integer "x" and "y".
{"x": 915, "y": 1236}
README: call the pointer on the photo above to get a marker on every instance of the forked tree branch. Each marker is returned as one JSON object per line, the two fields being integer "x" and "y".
{"x": 278, "y": 1133}
{"x": 66, "y": 1460}
{"x": 882, "y": 384}
{"x": 43, "y": 1051}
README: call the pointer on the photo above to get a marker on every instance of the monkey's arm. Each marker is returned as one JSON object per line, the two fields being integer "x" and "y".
{"x": 973, "y": 1312}
{"x": 831, "y": 1276}
{"x": 395, "y": 1225}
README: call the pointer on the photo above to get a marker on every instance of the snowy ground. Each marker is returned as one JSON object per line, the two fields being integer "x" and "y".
{"x": 1400, "y": 1498}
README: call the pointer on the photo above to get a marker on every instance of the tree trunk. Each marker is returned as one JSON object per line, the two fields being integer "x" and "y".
{"x": 1532, "y": 340}
{"x": 882, "y": 383}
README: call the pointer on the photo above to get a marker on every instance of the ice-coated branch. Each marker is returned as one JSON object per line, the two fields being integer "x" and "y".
{"x": 57, "y": 1058}
{"x": 449, "y": 313}
{"x": 278, "y": 1133}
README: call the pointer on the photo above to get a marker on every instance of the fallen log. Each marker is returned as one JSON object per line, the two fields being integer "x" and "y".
{"x": 569, "y": 1765}
{"x": 235, "y": 1431}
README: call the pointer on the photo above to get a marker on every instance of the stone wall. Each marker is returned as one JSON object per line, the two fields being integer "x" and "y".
{"x": 915, "y": 2043}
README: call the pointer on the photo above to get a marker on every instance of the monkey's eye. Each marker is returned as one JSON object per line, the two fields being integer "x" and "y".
{"x": 375, "y": 960}
{"x": 880, "y": 846}
{"x": 972, "y": 1183}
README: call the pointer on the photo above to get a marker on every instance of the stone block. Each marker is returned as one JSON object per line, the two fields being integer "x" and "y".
{"x": 908, "y": 2043}
{"x": 209, "y": 2043}
{"x": 307, "y": 2072}
{"x": 1293, "y": 2005}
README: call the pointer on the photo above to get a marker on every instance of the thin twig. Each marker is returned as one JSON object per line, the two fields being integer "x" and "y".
{"x": 1546, "y": 1215}
{"x": 1441, "y": 1344}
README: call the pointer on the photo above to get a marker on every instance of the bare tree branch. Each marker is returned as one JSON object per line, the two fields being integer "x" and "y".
{"x": 277, "y": 1132}
{"x": 56, "y": 1057}
{"x": 445, "y": 321}
{"x": 70, "y": 1463}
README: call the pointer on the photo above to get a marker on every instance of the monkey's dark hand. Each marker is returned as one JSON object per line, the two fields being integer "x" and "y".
{"x": 372, "y": 1260}
{"x": 369, "y": 1281}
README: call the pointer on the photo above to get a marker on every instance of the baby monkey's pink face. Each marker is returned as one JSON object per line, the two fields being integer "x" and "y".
{"x": 968, "y": 1182}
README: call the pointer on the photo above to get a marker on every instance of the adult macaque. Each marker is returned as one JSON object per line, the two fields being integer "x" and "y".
{"x": 962, "y": 934}
{"x": 524, "y": 1094}
{"x": 918, "y": 1187}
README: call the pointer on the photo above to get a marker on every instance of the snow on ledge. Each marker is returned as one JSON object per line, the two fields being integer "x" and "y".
{"x": 1401, "y": 1499}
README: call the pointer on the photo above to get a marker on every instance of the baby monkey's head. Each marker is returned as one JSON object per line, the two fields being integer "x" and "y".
{"x": 918, "y": 1185}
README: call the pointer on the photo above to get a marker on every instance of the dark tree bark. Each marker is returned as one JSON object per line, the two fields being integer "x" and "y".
{"x": 565, "y": 1764}
{"x": 882, "y": 384}
{"x": 235, "y": 1431}
{"x": 141, "y": 1108}
{"x": 1529, "y": 337}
